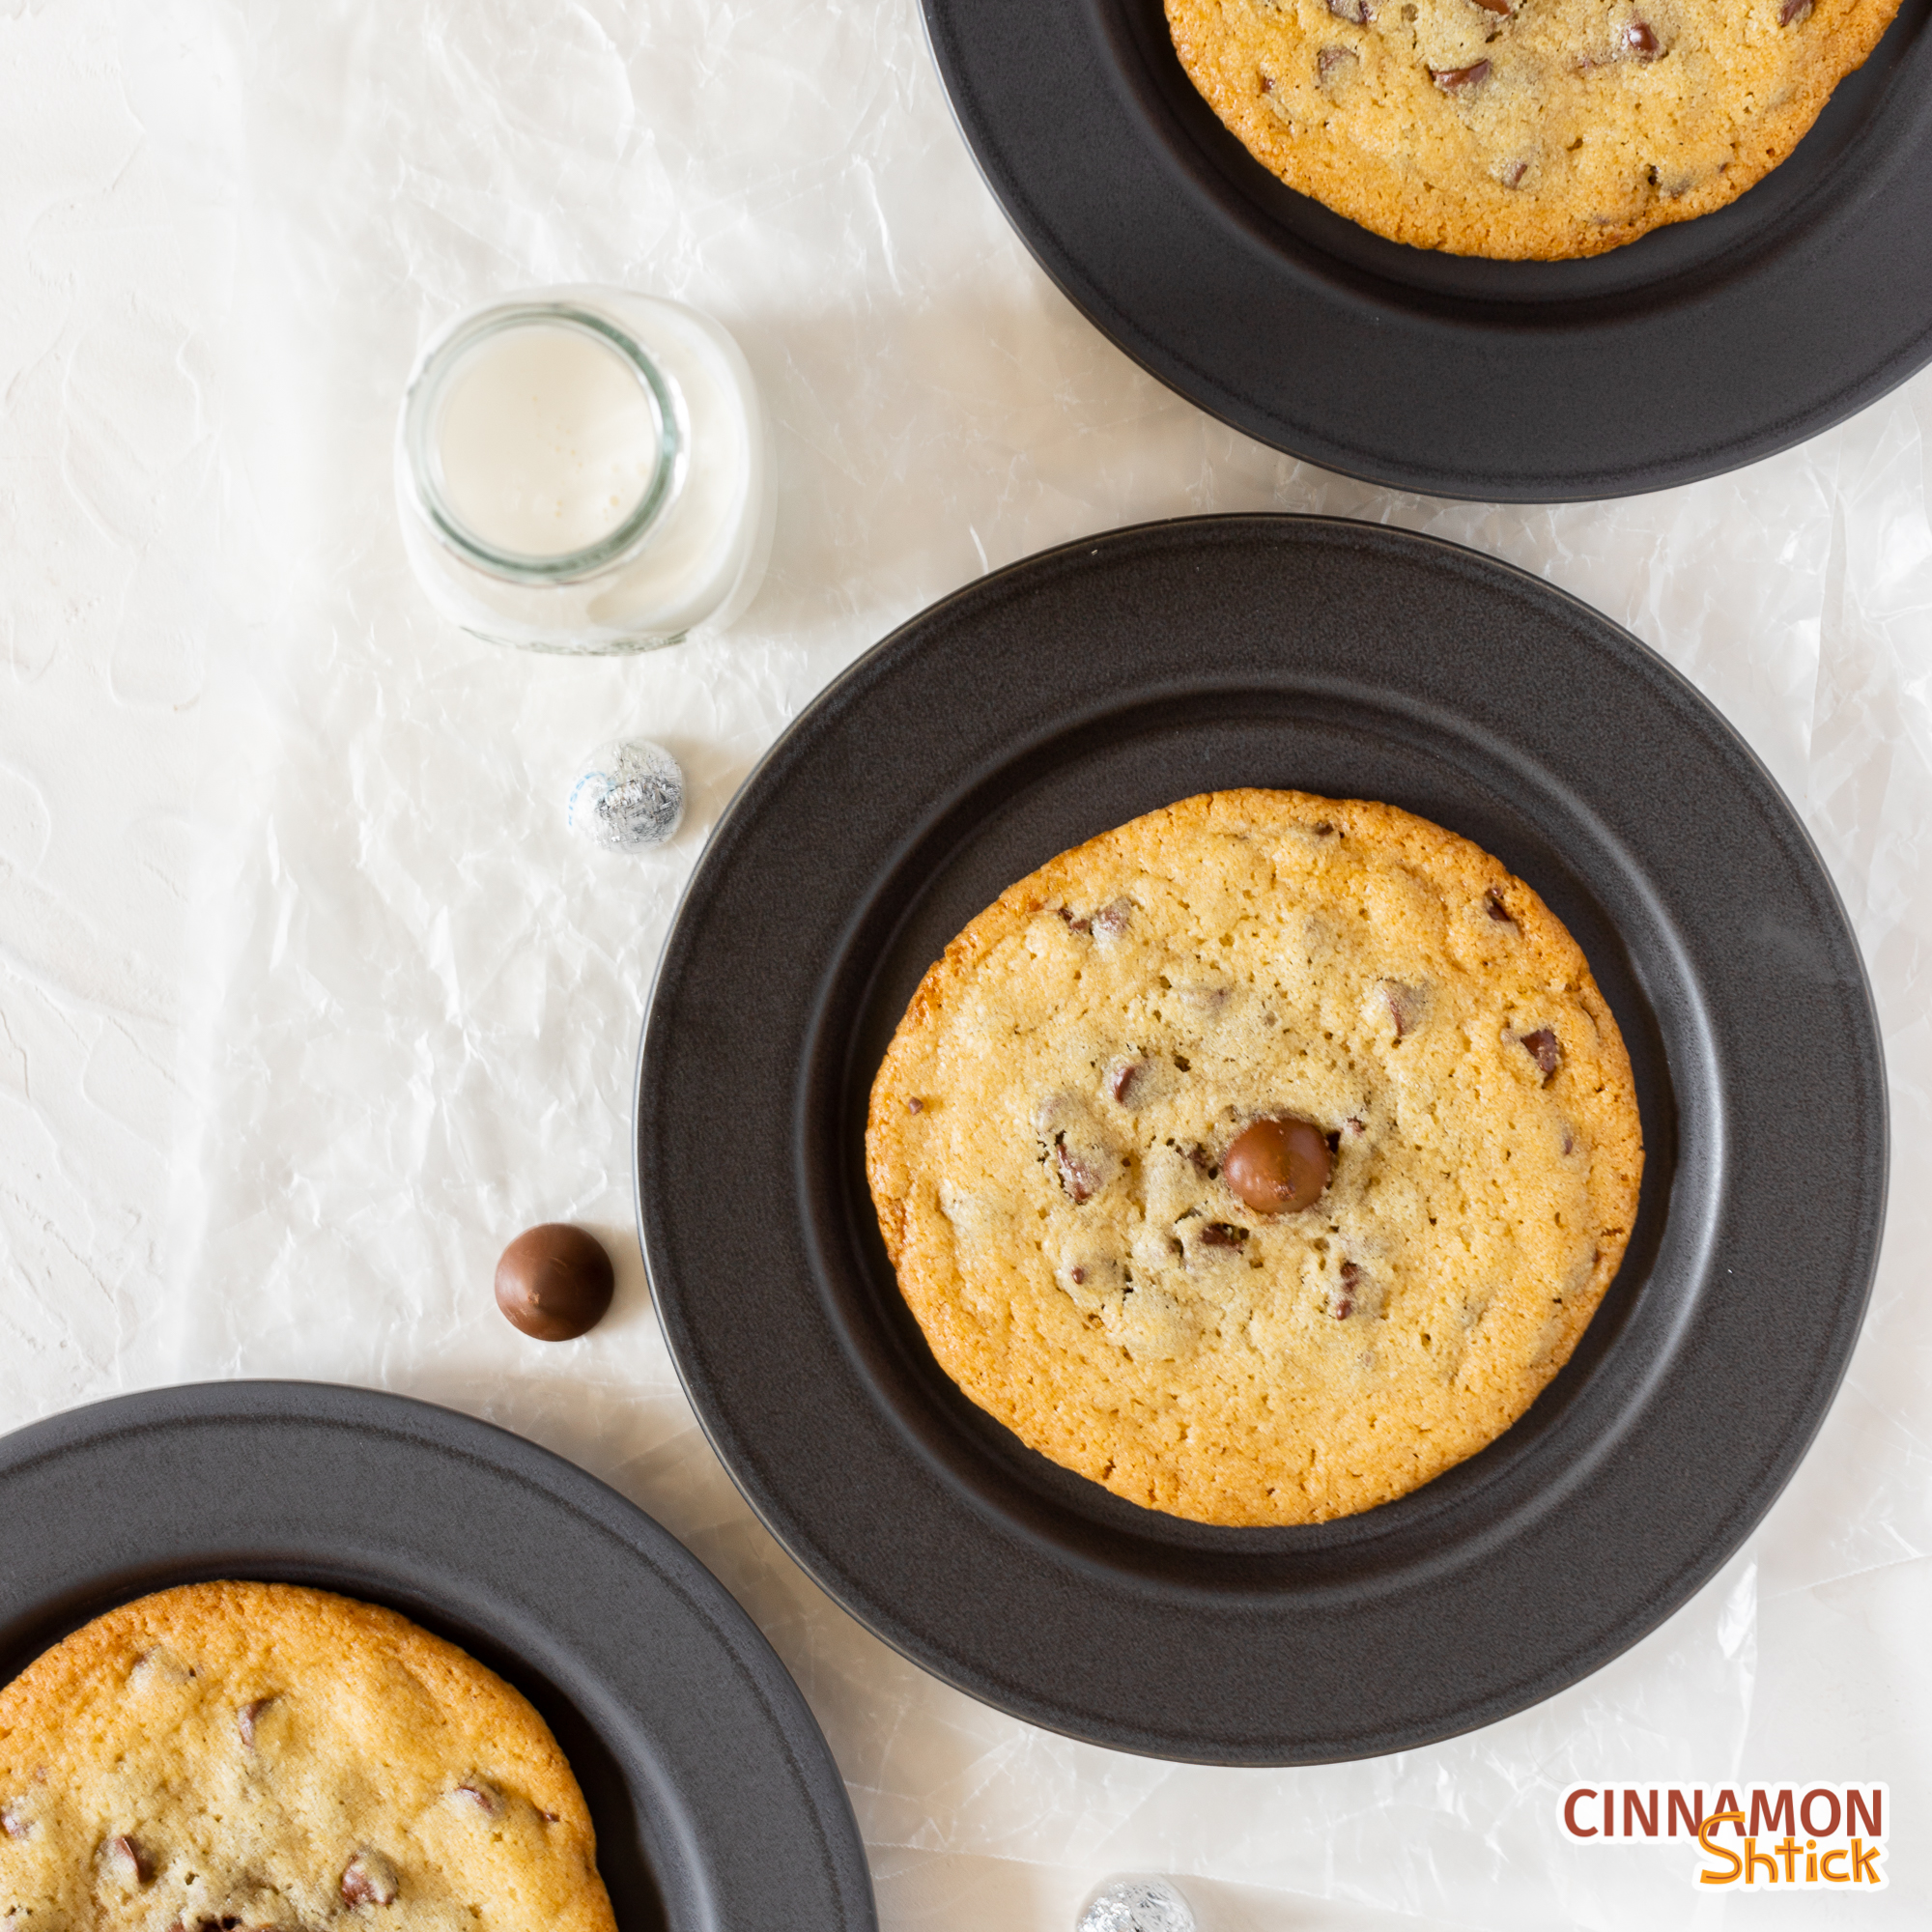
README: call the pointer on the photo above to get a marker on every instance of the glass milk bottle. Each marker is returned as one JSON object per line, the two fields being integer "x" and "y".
{"x": 585, "y": 469}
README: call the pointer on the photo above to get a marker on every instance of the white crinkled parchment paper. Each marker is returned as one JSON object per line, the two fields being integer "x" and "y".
{"x": 419, "y": 999}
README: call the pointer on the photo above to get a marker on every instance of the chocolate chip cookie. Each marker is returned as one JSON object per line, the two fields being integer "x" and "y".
{"x": 1260, "y": 1159}
{"x": 254, "y": 1755}
{"x": 1535, "y": 128}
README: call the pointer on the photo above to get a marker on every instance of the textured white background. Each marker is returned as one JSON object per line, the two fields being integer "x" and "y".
{"x": 306, "y": 1003}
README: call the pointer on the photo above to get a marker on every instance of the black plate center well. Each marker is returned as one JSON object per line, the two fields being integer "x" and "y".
{"x": 1066, "y": 787}
{"x": 1673, "y": 267}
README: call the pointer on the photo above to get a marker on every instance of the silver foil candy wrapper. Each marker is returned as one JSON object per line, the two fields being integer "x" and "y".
{"x": 1137, "y": 1905}
{"x": 627, "y": 797}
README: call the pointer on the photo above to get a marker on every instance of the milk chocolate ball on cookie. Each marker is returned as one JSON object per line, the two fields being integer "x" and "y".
{"x": 1278, "y": 1166}
{"x": 554, "y": 1282}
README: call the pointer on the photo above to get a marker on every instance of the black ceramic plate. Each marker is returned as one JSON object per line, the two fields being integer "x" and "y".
{"x": 1699, "y": 348}
{"x": 715, "y": 1800}
{"x": 1066, "y": 694}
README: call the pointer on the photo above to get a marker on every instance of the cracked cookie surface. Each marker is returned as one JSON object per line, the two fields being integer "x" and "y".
{"x": 256, "y": 1755}
{"x": 1525, "y": 129}
{"x": 1048, "y": 1137}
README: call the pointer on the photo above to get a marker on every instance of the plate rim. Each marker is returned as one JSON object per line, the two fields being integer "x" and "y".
{"x": 410, "y": 1426}
{"x": 1822, "y": 1389}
